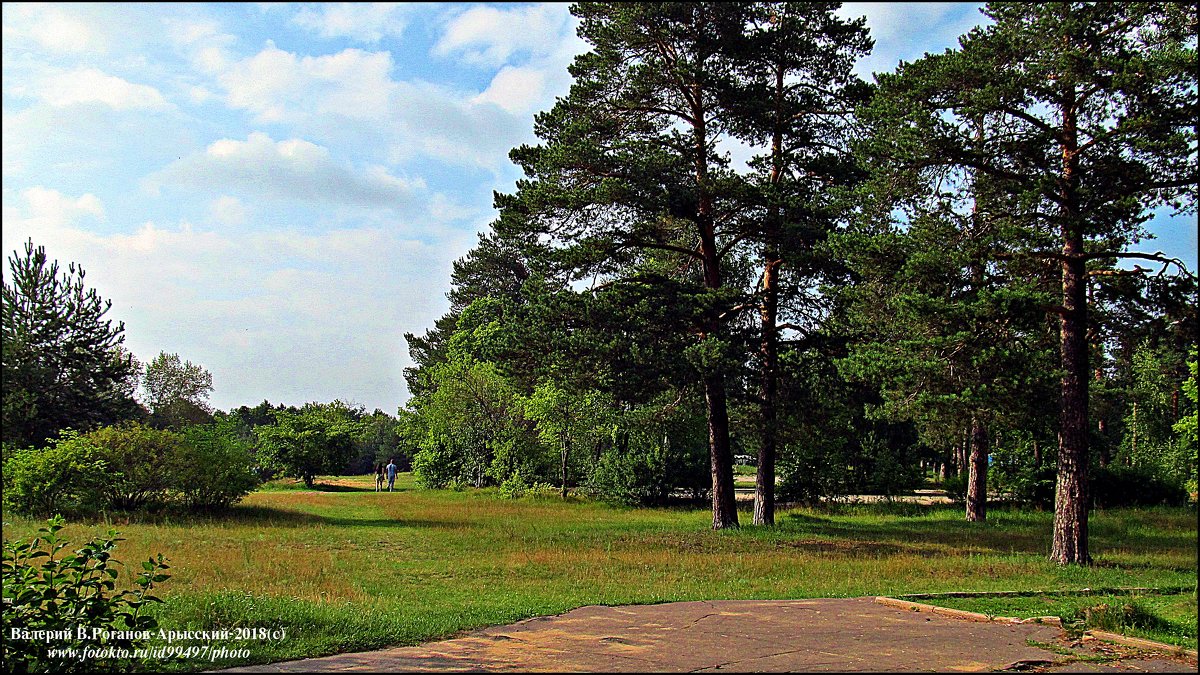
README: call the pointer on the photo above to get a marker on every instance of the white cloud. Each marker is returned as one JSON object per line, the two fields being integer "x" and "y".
{"x": 486, "y": 35}
{"x": 89, "y": 85}
{"x": 47, "y": 211}
{"x": 365, "y": 22}
{"x": 289, "y": 170}
{"x": 276, "y": 85}
{"x": 229, "y": 211}
{"x": 52, "y": 27}
{"x": 517, "y": 90}
{"x": 288, "y": 315}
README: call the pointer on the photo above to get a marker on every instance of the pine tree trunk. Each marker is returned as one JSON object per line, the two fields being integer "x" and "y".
{"x": 724, "y": 502}
{"x": 764, "y": 478}
{"x": 977, "y": 473}
{"x": 1070, "y": 545}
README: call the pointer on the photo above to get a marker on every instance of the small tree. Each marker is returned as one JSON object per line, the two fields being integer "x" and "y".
{"x": 317, "y": 439}
{"x": 563, "y": 419}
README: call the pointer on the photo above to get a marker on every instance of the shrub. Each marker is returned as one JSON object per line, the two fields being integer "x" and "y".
{"x": 68, "y": 477}
{"x": 648, "y": 472}
{"x": 436, "y": 467}
{"x": 514, "y": 487}
{"x": 519, "y": 485}
{"x": 1116, "y": 485}
{"x": 215, "y": 467}
{"x": 64, "y": 593}
{"x": 141, "y": 458}
{"x": 956, "y": 487}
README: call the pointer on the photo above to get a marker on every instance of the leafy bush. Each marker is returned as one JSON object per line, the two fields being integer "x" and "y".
{"x": 64, "y": 593}
{"x": 955, "y": 487}
{"x": 1116, "y": 485}
{"x": 649, "y": 472}
{"x": 435, "y": 466}
{"x": 69, "y": 477}
{"x": 139, "y": 459}
{"x": 518, "y": 485}
{"x": 880, "y": 459}
{"x": 1017, "y": 471}
{"x": 131, "y": 467}
{"x": 215, "y": 467}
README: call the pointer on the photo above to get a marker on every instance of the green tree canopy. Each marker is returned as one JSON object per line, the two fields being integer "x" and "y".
{"x": 177, "y": 391}
{"x": 318, "y": 439}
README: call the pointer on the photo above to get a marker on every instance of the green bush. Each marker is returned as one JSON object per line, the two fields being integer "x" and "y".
{"x": 47, "y": 590}
{"x": 1016, "y": 472}
{"x": 955, "y": 487}
{"x": 139, "y": 459}
{"x": 436, "y": 467}
{"x": 131, "y": 467}
{"x": 649, "y": 472}
{"x": 1116, "y": 485}
{"x": 68, "y": 477}
{"x": 215, "y": 467}
{"x": 518, "y": 485}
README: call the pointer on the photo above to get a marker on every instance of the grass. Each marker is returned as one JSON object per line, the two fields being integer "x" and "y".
{"x": 342, "y": 568}
{"x": 1165, "y": 618}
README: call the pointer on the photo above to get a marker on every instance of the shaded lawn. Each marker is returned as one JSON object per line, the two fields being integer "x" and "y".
{"x": 345, "y": 569}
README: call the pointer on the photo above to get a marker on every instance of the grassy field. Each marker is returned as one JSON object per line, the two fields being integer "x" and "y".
{"x": 347, "y": 569}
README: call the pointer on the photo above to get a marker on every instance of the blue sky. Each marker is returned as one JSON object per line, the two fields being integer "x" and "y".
{"x": 277, "y": 191}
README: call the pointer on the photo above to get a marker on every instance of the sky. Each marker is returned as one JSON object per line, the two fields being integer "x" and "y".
{"x": 277, "y": 192}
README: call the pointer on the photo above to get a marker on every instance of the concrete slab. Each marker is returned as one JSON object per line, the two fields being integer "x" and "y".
{"x": 821, "y": 635}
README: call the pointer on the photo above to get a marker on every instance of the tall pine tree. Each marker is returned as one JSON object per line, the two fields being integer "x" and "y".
{"x": 1087, "y": 113}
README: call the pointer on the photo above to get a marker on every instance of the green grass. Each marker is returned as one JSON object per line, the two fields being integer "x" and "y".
{"x": 1165, "y": 618}
{"x": 343, "y": 568}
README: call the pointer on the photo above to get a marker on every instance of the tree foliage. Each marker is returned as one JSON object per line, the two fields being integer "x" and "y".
{"x": 63, "y": 367}
{"x": 177, "y": 391}
{"x": 1081, "y": 116}
{"x": 317, "y": 439}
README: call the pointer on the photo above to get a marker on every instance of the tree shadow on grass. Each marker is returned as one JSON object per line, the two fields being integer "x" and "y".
{"x": 953, "y": 537}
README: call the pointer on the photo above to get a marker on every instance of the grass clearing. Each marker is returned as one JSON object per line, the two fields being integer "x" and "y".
{"x": 344, "y": 568}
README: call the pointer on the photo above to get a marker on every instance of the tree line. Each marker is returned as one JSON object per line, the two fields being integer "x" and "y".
{"x": 88, "y": 428}
{"x": 920, "y": 271}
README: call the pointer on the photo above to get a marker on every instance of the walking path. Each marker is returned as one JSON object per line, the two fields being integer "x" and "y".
{"x": 830, "y": 634}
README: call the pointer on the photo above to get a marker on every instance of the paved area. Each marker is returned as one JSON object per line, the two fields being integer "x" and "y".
{"x": 830, "y": 635}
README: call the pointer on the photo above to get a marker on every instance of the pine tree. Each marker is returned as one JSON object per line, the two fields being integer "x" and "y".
{"x": 1087, "y": 112}
{"x": 63, "y": 364}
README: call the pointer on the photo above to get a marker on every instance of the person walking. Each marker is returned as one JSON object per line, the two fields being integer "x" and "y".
{"x": 379, "y": 476}
{"x": 391, "y": 473}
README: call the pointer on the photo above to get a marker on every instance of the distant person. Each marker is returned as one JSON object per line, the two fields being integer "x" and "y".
{"x": 391, "y": 473}
{"x": 379, "y": 476}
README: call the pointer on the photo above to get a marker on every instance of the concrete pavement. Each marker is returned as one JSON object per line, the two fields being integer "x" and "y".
{"x": 820, "y": 635}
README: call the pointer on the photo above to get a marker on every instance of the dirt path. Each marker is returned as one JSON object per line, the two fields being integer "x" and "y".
{"x": 831, "y": 635}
